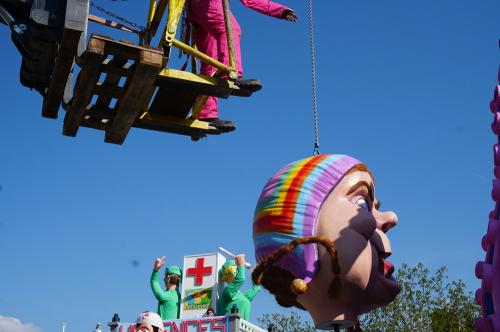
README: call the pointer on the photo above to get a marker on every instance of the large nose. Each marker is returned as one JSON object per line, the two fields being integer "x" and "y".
{"x": 386, "y": 220}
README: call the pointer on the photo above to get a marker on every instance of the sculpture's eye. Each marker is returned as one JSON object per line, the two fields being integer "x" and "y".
{"x": 361, "y": 201}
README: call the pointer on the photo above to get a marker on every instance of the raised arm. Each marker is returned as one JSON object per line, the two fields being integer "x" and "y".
{"x": 252, "y": 292}
{"x": 232, "y": 289}
{"x": 158, "y": 292}
{"x": 270, "y": 8}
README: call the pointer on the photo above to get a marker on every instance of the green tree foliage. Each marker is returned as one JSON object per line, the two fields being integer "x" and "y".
{"x": 285, "y": 323}
{"x": 427, "y": 302}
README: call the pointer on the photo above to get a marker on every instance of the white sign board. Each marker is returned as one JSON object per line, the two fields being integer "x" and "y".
{"x": 199, "y": 284}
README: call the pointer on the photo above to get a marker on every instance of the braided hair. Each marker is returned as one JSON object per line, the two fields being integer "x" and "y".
{"x": 283, "y": 284}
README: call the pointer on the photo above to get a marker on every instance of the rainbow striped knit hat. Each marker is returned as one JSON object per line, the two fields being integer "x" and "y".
{"x": 288, "y": 208}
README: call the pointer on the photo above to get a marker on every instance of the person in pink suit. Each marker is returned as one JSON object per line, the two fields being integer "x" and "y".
{"x": 210, "y": 38}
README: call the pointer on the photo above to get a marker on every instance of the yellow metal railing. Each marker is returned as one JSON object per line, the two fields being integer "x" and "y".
{"x": 175, "y": 7}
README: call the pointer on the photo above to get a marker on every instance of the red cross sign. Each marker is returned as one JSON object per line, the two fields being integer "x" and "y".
{"x": 199, "y": 271}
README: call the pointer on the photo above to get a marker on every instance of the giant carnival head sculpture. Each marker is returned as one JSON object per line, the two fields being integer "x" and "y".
{"x": 320, "y": 240}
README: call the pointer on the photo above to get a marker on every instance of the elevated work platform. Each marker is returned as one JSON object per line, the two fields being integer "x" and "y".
{"x": 122, "y": 85}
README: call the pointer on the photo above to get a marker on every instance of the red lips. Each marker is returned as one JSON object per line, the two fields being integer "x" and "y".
{"x": 388, "y": 268}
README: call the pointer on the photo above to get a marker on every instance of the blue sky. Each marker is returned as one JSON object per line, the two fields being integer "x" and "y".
{"x": 403, "y": 86}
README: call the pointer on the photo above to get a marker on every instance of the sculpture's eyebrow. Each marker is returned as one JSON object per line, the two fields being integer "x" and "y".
{"x": 360, "y": 184}
{"x": 369, "y": 188}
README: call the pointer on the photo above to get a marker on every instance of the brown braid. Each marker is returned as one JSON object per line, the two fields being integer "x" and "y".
{"x": 282, "y": 283}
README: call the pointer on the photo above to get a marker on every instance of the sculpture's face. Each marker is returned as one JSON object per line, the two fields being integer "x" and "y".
{"x": 351, "y": 219}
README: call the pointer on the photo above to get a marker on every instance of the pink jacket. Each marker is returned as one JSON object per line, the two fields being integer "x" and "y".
{"x": 265, "y": 7}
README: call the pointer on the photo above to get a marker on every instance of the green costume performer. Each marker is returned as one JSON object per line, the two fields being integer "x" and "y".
{"x": 231, "y": 294}
{"x": 168, "y": 301}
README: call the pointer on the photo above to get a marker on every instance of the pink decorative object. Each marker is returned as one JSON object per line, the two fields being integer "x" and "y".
{"x": 495, "y": 125}
{"x": 488, "y": 296}
{"x": 479, "y": 269}
{"x": 496, "y": 172}
{"x": 494, "y": 322}
{"x": 496, "y": 155}
{"x": 495, "y": 193}
{"x": 478, "y": 296}
{"x": 484, "y": 243}
{"x": 481, "y": 325}
{"x": 488, "y": 275}
{"x": 492, "y": 231}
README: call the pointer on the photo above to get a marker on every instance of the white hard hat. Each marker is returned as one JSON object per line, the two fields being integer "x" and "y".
{"x": 151, "y": 318}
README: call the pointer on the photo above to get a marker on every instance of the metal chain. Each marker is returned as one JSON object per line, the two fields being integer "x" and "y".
{"x": 313, "y": 72}
{"x": 138, "y": 28}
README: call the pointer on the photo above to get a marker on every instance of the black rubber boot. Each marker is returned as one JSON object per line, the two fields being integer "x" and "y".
{"x": 224, "y": 126}
{"x": 248, "y": 84}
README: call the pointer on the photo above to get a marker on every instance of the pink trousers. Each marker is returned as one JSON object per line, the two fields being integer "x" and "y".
{"x": 210, "y": 37}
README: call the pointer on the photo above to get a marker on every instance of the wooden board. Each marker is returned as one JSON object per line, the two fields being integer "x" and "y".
{"x": 136, "y": 95}
{"x": 84, "y": 86}
{"x": 60, "y": 73}
{"x": 124, "y": 49}
{"x": 111, "y": 81}
{"x": 101, "y": 119}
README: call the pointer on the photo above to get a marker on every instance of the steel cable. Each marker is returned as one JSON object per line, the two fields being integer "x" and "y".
{"x": 313, "y": 72}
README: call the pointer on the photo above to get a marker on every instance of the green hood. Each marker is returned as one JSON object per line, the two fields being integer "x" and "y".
{"x": 174, "y": 269}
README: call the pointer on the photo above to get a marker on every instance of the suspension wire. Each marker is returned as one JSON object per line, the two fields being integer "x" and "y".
{"x": 313, "y": 72}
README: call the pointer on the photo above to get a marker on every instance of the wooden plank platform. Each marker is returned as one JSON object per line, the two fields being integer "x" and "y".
{"x": 101, "y": 119}
{"x": 110, "y": 83}
{"x": 122, "y": 85}
{"x": 136, "y": 95}
{"x": 85, "y": 84}
{"x": 60, "y": 73}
